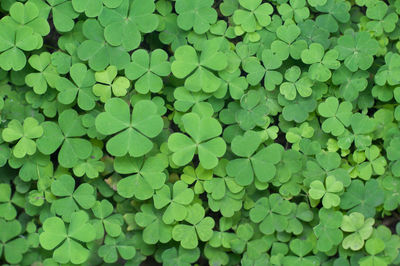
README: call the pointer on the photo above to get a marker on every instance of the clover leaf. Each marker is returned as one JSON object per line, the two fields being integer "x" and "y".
{"x": 204, "y": 132}
{"x": 69, "y": 197}
{"x": 336, "y": 12}
{"x": 197, "y": 69}
{"x": 351, "y": 83}
{"x": 267, "y": 70}
{"x": 311, "y": 32}
{"x": 271, "y": 213}
{"x": 255, "y": 252}
{"x": 97, "y": 51}
{"x": 24, "y": 133}
{"x": 32, "y": 167}
{"x": 224, "y": 194}
{"x": 66, "y": 241}
{"x": 198, "y": 227}
{"x": 390, "y": 185}
{"x": 393, "y": 155}
{"x": 147, "y": 70}
{"x": 388, "y": 73}
{"x": 298, "y": 109}
{"x": 181, "y": 257}
{"x": 92, "y": 8}
{"x": 295, "y": 135}
{"x": 63, "y": 14}
{"x": 112, "y": 247}
{"x": 147, "y": 177}
{"x": 155, "y": 230}
{"x": 222, "y": 237}
{"x": 229, "y": 204}
{"x": 362, "y": 125}
{"x": 236, "y": 84}
{"x": 108, "y": 223}
{"x": 244, "y": 233}
{"x": 220, "y": 183}
{"x": 109, "y": 84}
{"x": 4, "y": 154}
{"x": 13, "y": 41}
{"x": 186, "y": 100}
{"x": 92, "y": 166}
{"x": 287, "y": 174}
{"x": 357, "y": 50}
{"x": 295, "y": 9}
{"x": 65, "y": 134}
{"x": 176, "y": 203}
{"x": 12, "y": 246}
{"x": 382, "y": 233}
{"x": 197, "y": 14}
{"x": 295, "y": 84}
{"x": 196, "y": 176}
{"x": 172, "y": 34}
{"x": 326, "y": 164}
{"x": 327, "y": 231}
{"x": 134, "y": 130}
{"x": 286, "y": 44}
{"x": 320, "y": 63}
{"x": 374, "y": 246}
{"x": 360, "y": 229}
{"x": 382, "y": 20}
{"x": 124, "y": 25}
{"x": 8, "y": 211}
{"x": 300, "y": 248}
{"x": 47, "y": 75}
{"x": 327, "y": 193}
{"x": 375, "y": 165}
{"x": 254, "y": 110}
{"x": 300, "y": 213}
{"x": 358, "y": 197}
{"x": 28, "y": 14}
{"x": 338, "y": 115}
{"x": 253, "y": 13}
{"x": 260, "y": 164}
{"x": 80, "y": 89}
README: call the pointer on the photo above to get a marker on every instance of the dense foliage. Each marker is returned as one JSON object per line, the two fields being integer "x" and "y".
{"x": 229, "y": 132}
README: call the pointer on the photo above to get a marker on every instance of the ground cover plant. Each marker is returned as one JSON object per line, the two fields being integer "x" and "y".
{"x": 184, "y": 132}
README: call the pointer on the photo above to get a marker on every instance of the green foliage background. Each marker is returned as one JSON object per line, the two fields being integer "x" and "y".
{"x": 234, "y": 132}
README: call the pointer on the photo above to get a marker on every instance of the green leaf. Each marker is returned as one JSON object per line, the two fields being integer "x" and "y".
{"x": 199, "y": 228}
{"x": 47, "y": 75}
{"x": 12, "y": 246}
{"x": 82, "y": 196}
{"x": 357, "y": 50}
{"x": 80, "y": 90}
{"x": 147, "y": 176}
{"x": 148, "y": 70}
{"x": 133, "y": 130}
{"x": 96, "y": 51}
{"x": 176, "y": 203}
{"x": 358, "y": 197}
{"x": 271, "y": 214}
{"x": 14, "y": 40}
{"x": 197, "y": 14}
{"x": 24, "y": 134}
{"x": 204, "y": 139}
{"x": 359, "y": 228}
{"x": 109, "y": 84}
{"x": 155, "y": 229}
{"x": 55, "y": 233}
{"x": 67, "y": 136}
{"x": 199, "y": 69}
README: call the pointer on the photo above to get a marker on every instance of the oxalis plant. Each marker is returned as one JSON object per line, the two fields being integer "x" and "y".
{"x": 200, "y": 132}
